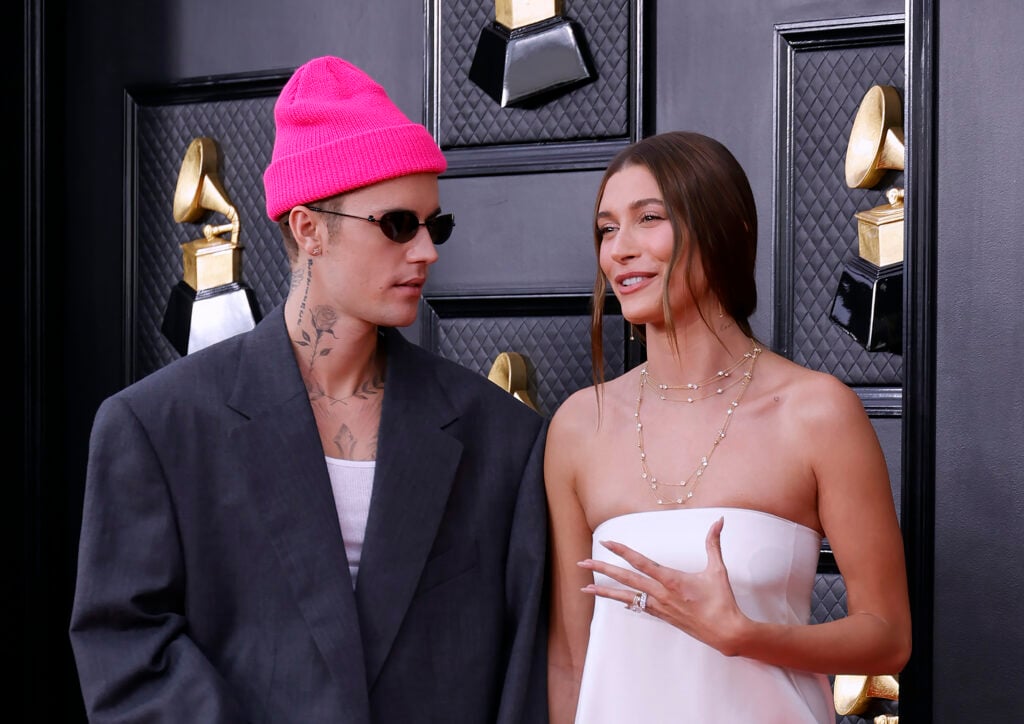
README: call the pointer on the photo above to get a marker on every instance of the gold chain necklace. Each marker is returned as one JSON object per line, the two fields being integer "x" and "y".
{"x": 717, "y": 377}
{"x": 691, "y": 398}
{"x": 692, "y": 480}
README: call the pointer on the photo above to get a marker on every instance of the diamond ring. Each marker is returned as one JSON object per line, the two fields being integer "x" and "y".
{"x": 639, "y": 602}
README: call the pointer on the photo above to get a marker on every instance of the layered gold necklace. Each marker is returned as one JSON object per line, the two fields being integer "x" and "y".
{"x": 683, "y": 490}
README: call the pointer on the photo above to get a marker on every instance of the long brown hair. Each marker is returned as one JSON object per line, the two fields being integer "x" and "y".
{"x": 711, "y": 208}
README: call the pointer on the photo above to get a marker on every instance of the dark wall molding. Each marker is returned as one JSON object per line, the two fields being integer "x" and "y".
{"x": 211, "y": 88}
{"x": 919, "y": 310}
{"x": 44, "y": 532}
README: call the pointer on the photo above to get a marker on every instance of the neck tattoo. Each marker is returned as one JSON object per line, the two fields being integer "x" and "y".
{"x": 679, "y": 493}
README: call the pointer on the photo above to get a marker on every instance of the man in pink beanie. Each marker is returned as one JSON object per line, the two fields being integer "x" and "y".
{"x": 316, "y": 520}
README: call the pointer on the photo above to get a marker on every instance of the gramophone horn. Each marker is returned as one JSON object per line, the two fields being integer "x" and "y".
{"x": 508, "y": 372}
{"x": 876, "y": 140}
{"x": 198, "y": 188}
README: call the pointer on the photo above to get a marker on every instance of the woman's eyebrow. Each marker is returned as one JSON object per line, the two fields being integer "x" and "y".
{"x": 639, "y": 203}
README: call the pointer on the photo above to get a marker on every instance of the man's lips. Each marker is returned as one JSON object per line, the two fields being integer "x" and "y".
{"x": 411, "y": 286}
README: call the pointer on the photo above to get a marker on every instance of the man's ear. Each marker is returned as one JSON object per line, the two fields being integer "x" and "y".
{"x": 306, "y": 229}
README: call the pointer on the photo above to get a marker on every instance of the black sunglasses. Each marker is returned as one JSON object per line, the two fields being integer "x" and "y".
{"x": 402, "y": 225}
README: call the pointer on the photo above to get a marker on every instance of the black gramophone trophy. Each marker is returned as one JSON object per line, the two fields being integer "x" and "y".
{"x": 210, "y": 303}
{"x": 868, "y": 302}
{"x": 530, "y": 53}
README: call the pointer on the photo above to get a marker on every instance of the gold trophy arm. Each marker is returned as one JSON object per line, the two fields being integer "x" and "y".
{"x": 212, "y": 233}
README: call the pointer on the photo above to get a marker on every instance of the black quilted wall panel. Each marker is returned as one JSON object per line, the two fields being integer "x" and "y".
{"x": 553, "y": 340}
{"x": 828, "y": 602}
{"x": 825, "y": 80}
{"x": 163, "y": 128}
{"x": 467, "y": 116}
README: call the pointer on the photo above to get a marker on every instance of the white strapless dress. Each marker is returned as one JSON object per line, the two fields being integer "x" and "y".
{"x": 641, "y": 670}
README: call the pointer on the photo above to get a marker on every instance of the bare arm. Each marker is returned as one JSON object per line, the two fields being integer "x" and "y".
{"x": 856, "y": 510}
{"x": 570, "y": 537}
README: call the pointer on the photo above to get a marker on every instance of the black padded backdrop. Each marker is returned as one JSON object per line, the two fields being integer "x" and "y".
{"x": 554, "y": 339}
{"x": 467, "y": 116}
{"x": 826, "y": 87}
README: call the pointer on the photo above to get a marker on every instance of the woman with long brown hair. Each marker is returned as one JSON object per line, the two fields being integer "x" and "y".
{"x": 689, "y": 496}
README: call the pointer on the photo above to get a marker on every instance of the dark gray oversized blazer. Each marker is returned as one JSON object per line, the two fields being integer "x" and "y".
{"x": 212, "y": 579}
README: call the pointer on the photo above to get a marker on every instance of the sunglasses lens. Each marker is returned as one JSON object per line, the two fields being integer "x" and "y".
{"x": 440, "y": 227}
{"x": 400, "y": 226}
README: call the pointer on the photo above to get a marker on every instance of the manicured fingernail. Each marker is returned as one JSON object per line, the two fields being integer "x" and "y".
{"x": 584, "y": 564}
{"x": 588, "y": 589}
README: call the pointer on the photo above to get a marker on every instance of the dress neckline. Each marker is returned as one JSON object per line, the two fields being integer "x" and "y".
{"x": 710, "y": 509}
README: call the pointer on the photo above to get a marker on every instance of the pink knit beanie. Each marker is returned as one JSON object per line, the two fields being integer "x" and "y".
{"x": 337, "y": 130}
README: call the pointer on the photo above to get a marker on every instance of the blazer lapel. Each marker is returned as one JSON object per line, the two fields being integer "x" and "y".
{"x": 416, "y": 464}
{"x": 290, "y": 486}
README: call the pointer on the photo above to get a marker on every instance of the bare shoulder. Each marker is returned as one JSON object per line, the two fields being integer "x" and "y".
{"x": 577, "y": 408}
{"x": 578, "y": 434}
{"x": 580, "y": 415}
{"x": 817, "y": 401}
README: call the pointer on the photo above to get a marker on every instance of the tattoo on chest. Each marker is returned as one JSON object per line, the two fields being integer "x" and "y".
{"x": 354, "y": 419}
{"x": 349, "y": 447}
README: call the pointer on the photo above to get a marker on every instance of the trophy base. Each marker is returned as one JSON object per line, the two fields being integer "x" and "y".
{"x": 531, "y": 63}
{"x": 868, "y": 304}
{"x": 194, "y": 320}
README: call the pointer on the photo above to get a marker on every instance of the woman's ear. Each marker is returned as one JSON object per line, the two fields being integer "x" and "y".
{"x": 306, "y": 229}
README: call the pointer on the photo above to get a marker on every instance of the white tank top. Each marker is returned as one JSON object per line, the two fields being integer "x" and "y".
{"x": 352, "y": 485}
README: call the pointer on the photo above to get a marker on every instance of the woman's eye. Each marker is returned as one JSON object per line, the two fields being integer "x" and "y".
{"x": 649, "y": 217}
{"x": 605, "y": 230}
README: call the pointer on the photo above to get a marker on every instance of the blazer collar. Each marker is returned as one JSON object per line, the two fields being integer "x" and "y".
{"x": 280, "y": 447}
{"x": 416, "y": 465}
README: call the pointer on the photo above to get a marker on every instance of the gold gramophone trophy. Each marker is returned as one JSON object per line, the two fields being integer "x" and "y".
{"x": 530, "y": 53}
{"x": 211, "y": 302}
{"x": 868, "y": 303}
{"x": 855, "y": 695}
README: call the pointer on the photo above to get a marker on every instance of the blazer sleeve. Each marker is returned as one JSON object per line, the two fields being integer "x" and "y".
{"x": 524, "y": 695}
{"x": 128, "y": 631}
